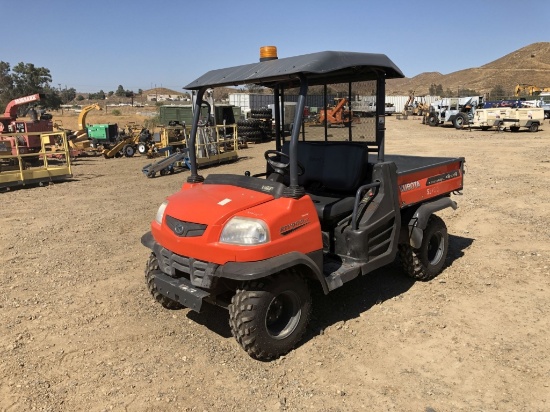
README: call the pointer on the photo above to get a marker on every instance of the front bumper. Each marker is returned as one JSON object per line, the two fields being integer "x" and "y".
{"x": 180, "y": 290}
{"x": 189, "y": 281}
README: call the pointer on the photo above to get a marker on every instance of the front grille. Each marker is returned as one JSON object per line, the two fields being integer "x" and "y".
{"x": 200, "y": 273}
{"x": 185, "y": 229}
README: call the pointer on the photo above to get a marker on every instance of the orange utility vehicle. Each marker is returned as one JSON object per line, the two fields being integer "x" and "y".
{"x": 322, "y": 212}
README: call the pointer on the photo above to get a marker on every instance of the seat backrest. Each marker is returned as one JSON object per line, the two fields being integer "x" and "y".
{"x": 332, "y": 166}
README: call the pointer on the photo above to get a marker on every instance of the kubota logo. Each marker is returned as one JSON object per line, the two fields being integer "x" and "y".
{"x": 409, "y": 186}
{"x": 291, "y": 227}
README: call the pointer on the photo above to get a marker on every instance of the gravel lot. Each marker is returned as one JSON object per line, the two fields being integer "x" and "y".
{"x": 79, "y": 330}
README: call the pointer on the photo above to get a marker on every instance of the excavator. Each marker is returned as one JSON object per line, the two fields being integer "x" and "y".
{"x": 529, "y": 90}
{"x": 337, "y": 115}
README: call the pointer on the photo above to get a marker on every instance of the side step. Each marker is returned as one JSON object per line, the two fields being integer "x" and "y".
{"x": 337, "y": 272}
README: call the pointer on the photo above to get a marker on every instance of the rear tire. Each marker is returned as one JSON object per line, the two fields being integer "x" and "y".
{"x": 460, "y": 121}
{"x": 534, "y": 127}
{"x": 268, "y": 317}
{"x": 128, "y": 150}
{"x": 151, "y": 267}
{"x": 142, "y": 148}
{"x": 427, "y": 262}
{"x": 433, "y": 119}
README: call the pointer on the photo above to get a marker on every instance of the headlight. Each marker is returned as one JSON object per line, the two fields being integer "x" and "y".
{"x": 160, "y": 212}
{"x": 245, "y": 231}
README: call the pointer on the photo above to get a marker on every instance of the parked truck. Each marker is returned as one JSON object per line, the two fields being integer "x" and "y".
{"x": 322, "y": 212}
{"x": 365, "y": 107}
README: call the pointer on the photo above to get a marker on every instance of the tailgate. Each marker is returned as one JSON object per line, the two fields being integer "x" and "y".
{"x": 430, "y": 181}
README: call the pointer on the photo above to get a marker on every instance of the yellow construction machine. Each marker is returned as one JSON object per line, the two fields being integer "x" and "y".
{"x": 529, "y": 90}
{"x": 416, "y": 106}
{"x": 136, "y": 138}
{"x": 18, "y": 167}
{"x": 78, "y": 141}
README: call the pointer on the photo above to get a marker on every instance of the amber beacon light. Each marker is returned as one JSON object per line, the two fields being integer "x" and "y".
{"x": 268, "y": 53}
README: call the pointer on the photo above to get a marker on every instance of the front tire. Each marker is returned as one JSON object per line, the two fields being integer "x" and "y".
{"x": 268, "y": 317}
{"x": 427, "y": 262}
{"x": 534, "y": 127}
{"x": 151, "y": 267}
{"x": 433, "y": 120}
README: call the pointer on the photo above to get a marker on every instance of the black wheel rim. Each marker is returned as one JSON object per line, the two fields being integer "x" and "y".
{"x": 436, "y": 246}
{"x": 283, "y": 315}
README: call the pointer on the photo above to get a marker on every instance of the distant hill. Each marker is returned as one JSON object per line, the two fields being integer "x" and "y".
{"x": 528, "y": 65}
{"x": 163, "y": 90}
{"x": 219, "y": 93}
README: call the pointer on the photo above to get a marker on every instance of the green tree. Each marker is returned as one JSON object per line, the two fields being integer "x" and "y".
{"x": 468, "y": 92}
{"x": 110, "y": 93}
{"x": 6, "y": 84}
{"x": 29, "y": 79}
{"x": 53, "y": 99}
{"x": 120, "y": 92}
{"x": 100, "y": 95}
{"x": 25, "y": 79}
{"x": 79, "y": 98}
{"x": 68, "y": 95}
{"x": 436, "y": 90}
{"x": 497, "y": 93}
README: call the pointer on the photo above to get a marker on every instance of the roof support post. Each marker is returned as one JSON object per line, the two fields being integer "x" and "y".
{"x": 194, "y": 177}
{"x": 294, "y": 190}
{"x": 325, "y": 122}
{"x": 380, "y": 114}
{"x": 350, "y": 137}
{"x": 277, "y": 108}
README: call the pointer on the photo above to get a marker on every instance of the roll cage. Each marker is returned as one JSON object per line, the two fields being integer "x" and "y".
{"x": 315, "y": 69}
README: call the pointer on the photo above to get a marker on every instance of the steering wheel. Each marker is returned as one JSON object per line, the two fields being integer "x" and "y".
{"x": 280, "y": 167}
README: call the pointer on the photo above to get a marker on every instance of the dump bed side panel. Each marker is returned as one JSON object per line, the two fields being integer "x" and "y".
{"x": 431, "y": 181}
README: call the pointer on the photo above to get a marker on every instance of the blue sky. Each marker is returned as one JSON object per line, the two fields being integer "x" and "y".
{"x": 98, "y": 45}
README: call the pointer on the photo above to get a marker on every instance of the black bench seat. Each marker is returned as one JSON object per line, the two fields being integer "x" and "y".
{"x": 333, "y": 173}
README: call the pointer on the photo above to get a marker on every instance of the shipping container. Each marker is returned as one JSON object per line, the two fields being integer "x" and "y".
{"x": 184, "y": 114}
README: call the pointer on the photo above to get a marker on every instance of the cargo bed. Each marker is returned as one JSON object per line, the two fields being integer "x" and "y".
{"x": 420, "y": 178}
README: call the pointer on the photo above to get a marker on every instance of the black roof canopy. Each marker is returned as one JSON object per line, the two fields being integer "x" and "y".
{"x": 319, "y": 68}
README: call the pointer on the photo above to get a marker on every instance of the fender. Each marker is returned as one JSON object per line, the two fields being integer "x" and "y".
{"x": 418, "y": 222}
{"x": 256, "y": 270}
{"x": 243, "y": 271}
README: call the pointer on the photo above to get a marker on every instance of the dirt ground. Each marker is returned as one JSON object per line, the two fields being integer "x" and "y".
{"x": 79, "y": 330}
